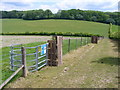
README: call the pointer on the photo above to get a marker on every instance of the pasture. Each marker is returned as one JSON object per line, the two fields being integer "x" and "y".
{"x": 115, "y": 28}
{"x": 54, "y": 25}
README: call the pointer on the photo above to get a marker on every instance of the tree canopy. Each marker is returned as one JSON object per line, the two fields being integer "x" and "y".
{"x": 73, "y": 14}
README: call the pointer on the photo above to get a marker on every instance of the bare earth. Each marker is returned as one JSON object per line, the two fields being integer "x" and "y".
{"x": 9, "y": 40}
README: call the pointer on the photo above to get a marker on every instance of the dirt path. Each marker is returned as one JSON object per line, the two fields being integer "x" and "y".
{"x": 9, "y": 40}
{"x": 91, "y": 66}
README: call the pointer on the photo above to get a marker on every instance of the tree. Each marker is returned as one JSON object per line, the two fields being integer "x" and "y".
{"x": 93, "y": 18}
{"x": 71, "y": 17}
{"x": 48, "y": 13}
{"x": 110, "y": 20}
{"x": 79, "y": 17}
{"x": 4, "y": 14}
{"x": 29, "y": 15}
{"x": 74, "y": 14}
{"x": 64, "y": 14}
{"x": 12, "y": 14}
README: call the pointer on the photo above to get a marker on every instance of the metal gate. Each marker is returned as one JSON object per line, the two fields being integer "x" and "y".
{"x": 15, "y": 56}
{"x": 36, "y": 57}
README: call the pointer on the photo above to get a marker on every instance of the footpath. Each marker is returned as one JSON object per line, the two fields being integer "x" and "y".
{"x": 90, "y": 66}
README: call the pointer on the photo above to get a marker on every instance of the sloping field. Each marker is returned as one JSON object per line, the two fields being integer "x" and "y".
{"x": 54, "y": 25}
{"x": 85, "y": 67}
{"x": 115, "y": 28}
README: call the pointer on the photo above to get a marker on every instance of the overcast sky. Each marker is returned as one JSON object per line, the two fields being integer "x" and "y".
{"x": 55, "y": 5}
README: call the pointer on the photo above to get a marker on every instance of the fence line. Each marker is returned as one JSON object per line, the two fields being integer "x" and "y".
{"x": 70, "y": 46}
{"x": 74, "y": 43}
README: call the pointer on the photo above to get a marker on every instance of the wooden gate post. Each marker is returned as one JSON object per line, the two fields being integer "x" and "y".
{"x": 94, "y": 39}
{"x": 24, "y": 61}
{"x": 55, "y": 51}
{"x": 52, "y": 53}
{"x": 59, "y": 49}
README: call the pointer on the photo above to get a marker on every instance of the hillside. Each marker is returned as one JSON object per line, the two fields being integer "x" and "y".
{"x": 54, "y": 25}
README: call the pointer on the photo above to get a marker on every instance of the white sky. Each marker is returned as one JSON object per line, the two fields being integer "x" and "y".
{"x": 55, "y": 5}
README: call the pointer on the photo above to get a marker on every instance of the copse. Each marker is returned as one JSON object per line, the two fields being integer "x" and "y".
{"x": 73, "y": 14}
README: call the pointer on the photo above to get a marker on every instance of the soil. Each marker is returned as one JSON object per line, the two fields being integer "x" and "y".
{"x": 9, "y": 40}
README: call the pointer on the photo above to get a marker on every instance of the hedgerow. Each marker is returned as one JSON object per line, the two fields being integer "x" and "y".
{"x": 113, "y": 35}
{"x": 51, "y": 33}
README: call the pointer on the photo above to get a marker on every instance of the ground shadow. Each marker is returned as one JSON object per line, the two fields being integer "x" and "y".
{"x": 108, "y": 60}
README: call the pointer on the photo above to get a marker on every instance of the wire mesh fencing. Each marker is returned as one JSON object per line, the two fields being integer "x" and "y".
{"x": 73, "y": 43}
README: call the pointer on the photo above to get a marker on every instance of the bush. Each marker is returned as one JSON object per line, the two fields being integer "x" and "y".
{"x": 115, "y": 35}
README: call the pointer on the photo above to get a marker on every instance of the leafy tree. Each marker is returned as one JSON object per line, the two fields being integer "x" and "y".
{"x": 75, "y": 14}
{"x": 79, "y": 17}
{"x": 110, "y": 20}
{"x": 64, "y": 14}
{"x": 93, "y": 18}
{"x": 48, "y": 14}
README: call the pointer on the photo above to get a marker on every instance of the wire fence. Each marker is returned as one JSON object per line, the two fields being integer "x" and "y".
{"x": 73, "y": 43}
{"x": 11, "y": 56}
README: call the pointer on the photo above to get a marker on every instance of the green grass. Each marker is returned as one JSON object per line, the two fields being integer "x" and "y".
{"x": 54, "y": 25}
{"x": 115, "y": 28}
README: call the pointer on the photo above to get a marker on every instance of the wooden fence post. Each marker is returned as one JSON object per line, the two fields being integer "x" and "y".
{"x": 86, "y": 40}
{"x": 94, "y": 39}
{"x": 81, "y": 41}
{"x": 76, "y": 43}
{"x": 69, "y": 45}
{"x": 52, "y": 53}
{"x": 59, "y": 49}
{"x": 24, "y": 61}
{"x": 54, "y": 37}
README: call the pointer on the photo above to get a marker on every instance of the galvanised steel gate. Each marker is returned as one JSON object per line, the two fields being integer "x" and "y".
{"x": 15, "y": 56}
{"x": 36, "y": 57}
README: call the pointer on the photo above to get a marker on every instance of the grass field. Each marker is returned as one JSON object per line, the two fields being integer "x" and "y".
{"x": 54, "y": 25}
{"x": 115, "y": 28}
